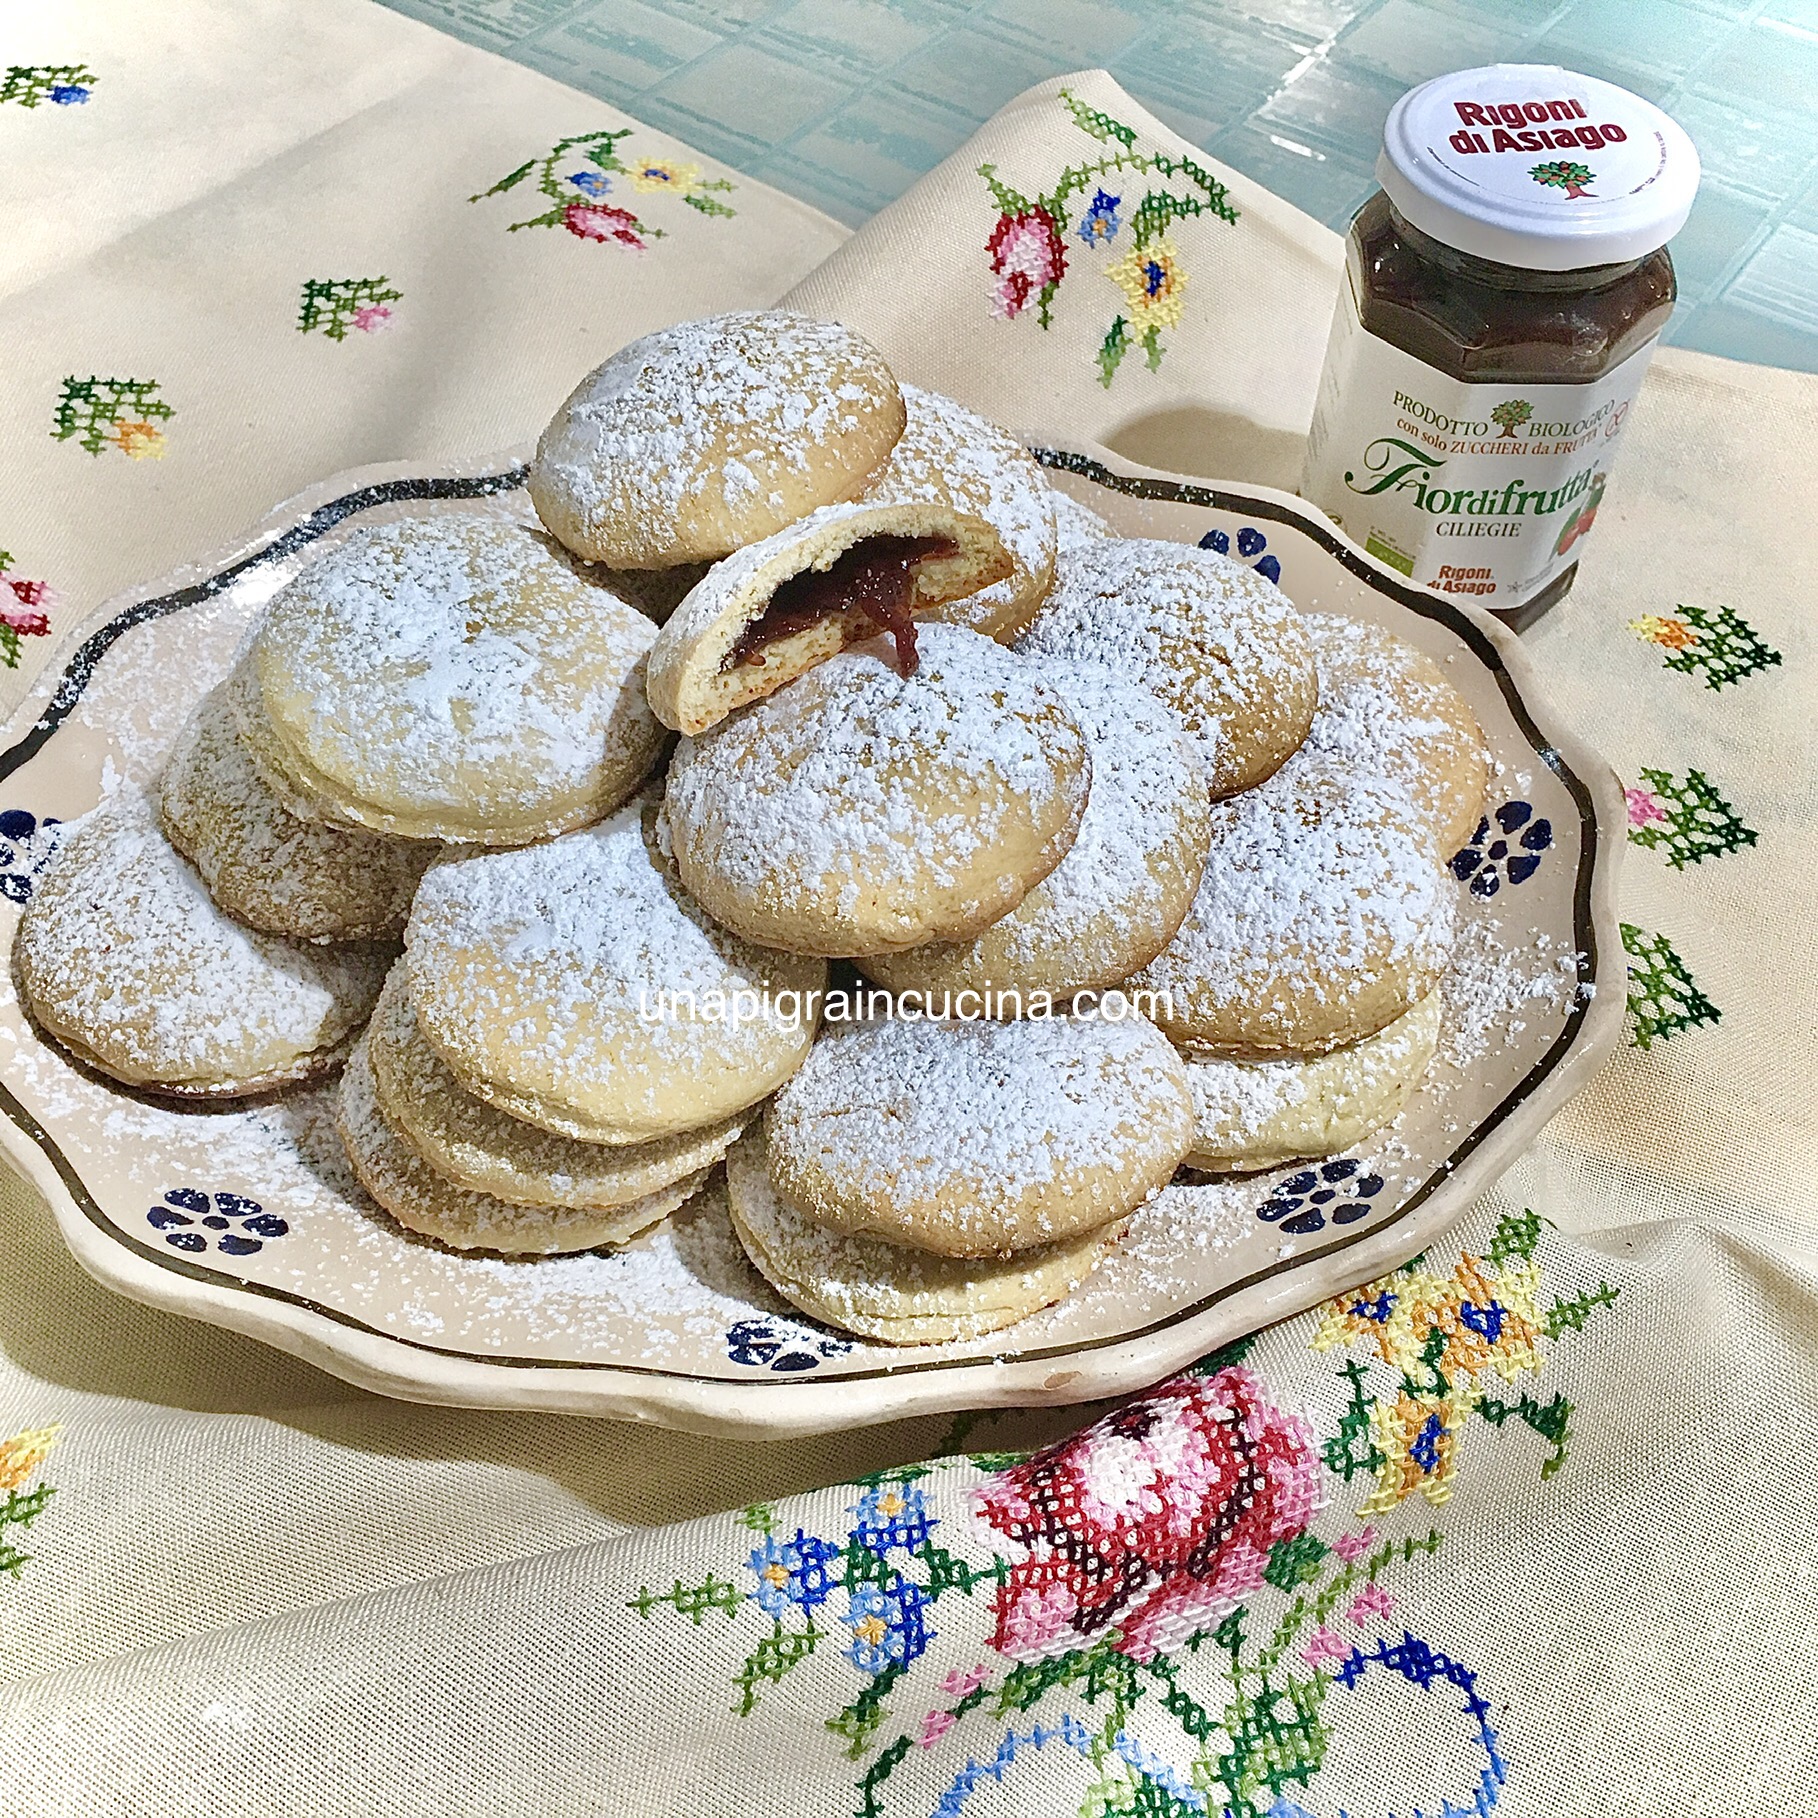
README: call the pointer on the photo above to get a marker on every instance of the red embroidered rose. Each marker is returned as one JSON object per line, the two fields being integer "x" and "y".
{"x": 600, "y": 221}
{"x": 1155, "y": 1522}
{"x": 1028, "y": 255}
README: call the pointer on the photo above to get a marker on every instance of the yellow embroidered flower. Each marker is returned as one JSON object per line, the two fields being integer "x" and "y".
{"x": 1418, "y": 1440}
{"x": 1669, "y": 634}
{"x": 21, "y": 1455}
{"x": 1489, "y": 1322}
{"x": 140, "y": 440}
{"x": 1382, "y": 1315}
{"x": 664, "y": 173}
{"x": 1153, "y": 283}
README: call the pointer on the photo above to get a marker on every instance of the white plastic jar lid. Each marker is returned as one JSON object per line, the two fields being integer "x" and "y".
{"x": 1531, "y": 165}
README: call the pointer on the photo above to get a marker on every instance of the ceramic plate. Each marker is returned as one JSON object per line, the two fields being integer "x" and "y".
{"x": 248, "y": 1217}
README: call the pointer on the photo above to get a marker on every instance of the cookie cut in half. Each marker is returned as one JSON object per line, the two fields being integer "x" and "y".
{"x": 885, "y": 1291}
{"x": 861, "y": 811}
{"x": 693, "y": 441}
{"x": 1260, "y": 1114}
{"x": 265, "y": 866}
{"x": 836, "y": 577}
{"x": 125, "y": 958}
{"x": 423, "y": 1200}
{"x": 976, "y": 1138}
{"x": 951, "y": 455}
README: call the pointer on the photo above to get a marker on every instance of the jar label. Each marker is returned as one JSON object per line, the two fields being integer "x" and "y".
{"x": 1483, "y": 490}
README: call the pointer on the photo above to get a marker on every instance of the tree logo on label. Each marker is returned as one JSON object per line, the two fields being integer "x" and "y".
{"x": 1562, "y": 173}
{"x": 1511, "y": 414}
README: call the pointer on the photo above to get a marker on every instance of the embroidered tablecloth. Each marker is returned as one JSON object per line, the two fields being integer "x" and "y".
{"x": 1520, "y": 1528}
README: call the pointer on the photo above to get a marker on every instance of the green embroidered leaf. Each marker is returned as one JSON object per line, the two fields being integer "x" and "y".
{"x": 706, "y": 205}
{"x": 1009, "y": 201}
{"x": 1572, "y": 1314}
{"x": 692, "y": 1601}
{"x": 1551, "y": 1420}
{"x": 1277, "y": 1741}
{"x": 1295, "y": 1562}
{"x": 1725, "y": 649}
{"x": 1000, "y": 1461}
{"x": 505, "y": 183}
{"x": 1351, "y": 1452}
{"x": 771, "y": 1659}
{"x": 1664, "y": 999}
{"x": 1100, "y": 126}
{"x": 1699, "y": 823}
{"x": 875, "y": 1776}
{"x": 859, "y": 1721}
{"x": 1112, "y": 349}
{"x": 1516, "y": 1236}
{"x": 20, "y": 1510}
{"x": 1152, "y": 347}
{"x": 759, "y": 1517}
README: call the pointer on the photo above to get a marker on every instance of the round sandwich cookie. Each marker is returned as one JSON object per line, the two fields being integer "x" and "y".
{"x": 693, "y": 441}
{"x": 840, "y": 575}
{"x": 977, "y": 1138}
{"x": 884, "y": 1291}
{"x": 1322, "y": 915}
{"x": 1388, "y": 708}
{"x": 861, "y": 811}
{"x": 575, "y": 985}
{"x": 1259, "y": 1114}
{"x": 952, "y": 456}
{"x": 452, "y": 678}
{"x": 1114, "y": 902}
{"x": 426, "y": 1202}
{"x": 477, "y": 1146}
{"x": 1076, "y": 526}
{"x": 267, "y": 868}
{"x": 126, "y": 960}
{"x": 1215, "y": 640}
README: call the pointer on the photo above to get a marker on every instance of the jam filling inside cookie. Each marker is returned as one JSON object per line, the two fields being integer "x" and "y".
{"x": 873, "y": 581}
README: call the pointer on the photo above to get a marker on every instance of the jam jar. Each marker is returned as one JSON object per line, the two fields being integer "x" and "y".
{"x": 1503, "y": 292}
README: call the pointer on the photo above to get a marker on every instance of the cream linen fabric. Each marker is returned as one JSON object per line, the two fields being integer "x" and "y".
{"x": 256, "y": 1591}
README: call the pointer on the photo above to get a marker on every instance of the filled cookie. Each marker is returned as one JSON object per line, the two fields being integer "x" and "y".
{"x": 265, "y": 866}
{"x": 1387, "y": 708}
{"x": 952, "y": 456}
{"x": 1117, "y": 898}
{"x": 477, "y": 1146}
{"x": 423, "y": 1200}
{"x": 1259, "y": 1114}
{"x": 861, "y": 811}
{"x": 577, "y": 986}
{"x": 888, "y": 1292}
{"x": 1322, "y": 915}
{"x": 693, "y": 441}
{"x": 451, "y": 678}
{"x": 1215, "y": 640}
{"x": 840, "y": 575}
{"x": 125, "y": 958}
{"x": 979, "y": 1138}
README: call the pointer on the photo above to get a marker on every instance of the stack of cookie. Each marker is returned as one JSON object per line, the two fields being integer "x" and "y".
{"x": 1126, "y": 863}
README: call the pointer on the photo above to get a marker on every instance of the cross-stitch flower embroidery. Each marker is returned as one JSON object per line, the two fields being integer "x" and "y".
{"x": 1153, "y": 283}
{"x": 797, "y": 1572}
{"x": 663, "y": 173}
{"x": 601, "y": 221}
{"x": 1156, "y": 1520}
{"x": 1029, "y": 258}
{"x": 1099, "y": 225}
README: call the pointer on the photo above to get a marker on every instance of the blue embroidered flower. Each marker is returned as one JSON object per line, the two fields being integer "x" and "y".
{"x": 1303, "y": 1202}
{"x": 757, "y": 1344}
{"x": 1250, "y": 543}
{"x": 594, "y": 182}
{"x": 793, "y": 1572}
{"x": 1100, "y": 223}
{"x": 1487, "y": 860}
{"x": 20, "y": 862}
{"x": 888, "y": 1626}
{"x": 891, "y": 1515}
{"x": 69, "y": 94}
{"x": 241, "y": 1226}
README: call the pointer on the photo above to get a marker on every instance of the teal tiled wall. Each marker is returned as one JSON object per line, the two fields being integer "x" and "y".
{"x": 847, "y": 102}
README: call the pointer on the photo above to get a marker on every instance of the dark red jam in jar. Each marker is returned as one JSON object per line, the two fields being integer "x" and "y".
{"x": 1503, "y": 293}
